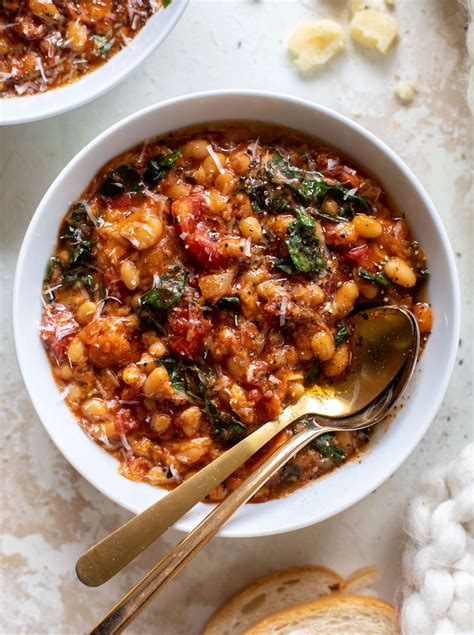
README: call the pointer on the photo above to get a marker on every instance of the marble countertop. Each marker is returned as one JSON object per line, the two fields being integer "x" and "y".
{"x": 49, "y": 513}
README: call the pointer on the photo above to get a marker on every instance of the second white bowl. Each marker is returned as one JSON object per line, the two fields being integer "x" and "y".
{"x": 15, "y": 110}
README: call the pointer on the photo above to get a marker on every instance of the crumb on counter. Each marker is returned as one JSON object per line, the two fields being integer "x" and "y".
{"x": 405, "y": 90}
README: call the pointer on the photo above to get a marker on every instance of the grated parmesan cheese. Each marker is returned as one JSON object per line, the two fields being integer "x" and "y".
{"x": 215, "y": 158}
{"x": 40, "y": 68}
{"x": 283, "y": 308}
{"x": 125, "y": 443}
{"x": 247, "y": 248}
{"x": 65, "y": 392}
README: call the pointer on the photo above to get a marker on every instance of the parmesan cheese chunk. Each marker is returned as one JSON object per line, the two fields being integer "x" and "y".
{"x": 374, "y": 28}
{"x": 315, "y": 43}
{"x": 405, "y": 90}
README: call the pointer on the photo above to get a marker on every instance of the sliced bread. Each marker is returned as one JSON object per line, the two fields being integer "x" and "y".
{"x": 269, "y": 594}
{"x": 361, "y": 580}
{"x": 336, "y": 614}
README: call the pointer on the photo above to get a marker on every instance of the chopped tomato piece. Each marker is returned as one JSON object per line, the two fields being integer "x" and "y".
{"x": 357, "y": 254}
{"x": 125, "y": 421}
{"x": 188, "y": 328}
{"x": 123, "y": 201}
{"x": 196, "y": 235}
{"x": 58, "y": 327}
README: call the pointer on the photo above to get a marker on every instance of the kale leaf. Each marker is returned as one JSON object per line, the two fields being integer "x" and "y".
{"x": 302, "y": 244}
{"x": 342, "y": 334}
{"x": 193, "y": 380}
{"x": 190, "y": 379}
{"x": 378, "y": 278}
{"x": 156, "y": 168}
{"x": 123, "y": 179}
{"x": 53, "y": 263}
{"x": 290, "y": 472}
{"x": 313, "y": 374}
{"x": 280, "y": 166}
{"x": 78, "y": 232}
{"x": 227, "y": 428}
{"x": 102, "y": 43}
{"x": 312, "y": 192}
{"x": 265, "y": 197}
{"x": 167, "y": 292}
{"x": 230, "y": 302}
{"x": 327, "y": 446}
{"x": 154, "y": 305}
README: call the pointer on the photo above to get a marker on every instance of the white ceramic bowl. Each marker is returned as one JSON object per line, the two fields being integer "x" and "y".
{"x": 351, "y": 482}
{"x": 53, "y": 102}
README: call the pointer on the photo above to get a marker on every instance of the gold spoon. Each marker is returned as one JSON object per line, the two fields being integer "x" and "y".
{"x": 123, "y": 613}
{"x": 384, "y": 337}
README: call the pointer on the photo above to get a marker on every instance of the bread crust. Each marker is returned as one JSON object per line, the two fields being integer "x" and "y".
{"x": 360, "y": 580}
{"x": 323, "y": 605}
{"x": 231, "y": 607}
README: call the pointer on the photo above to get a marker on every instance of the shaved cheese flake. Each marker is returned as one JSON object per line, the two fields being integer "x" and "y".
{"x": 315, "y": 43}
{"x": 247, "y": 248}
{"x": 22, "y": 89}
{"x": 374, "y": 28}
{"x": 93, "y": 219}
{"x": 40, "y": 68}
{"x": 98, "y": 431}
{"x": 350, "y": 192}
{"x": 142, "y": 153}
{"x": 64, "y": 330}
{"x": 283, "y": 308}
{"x": 50, "y": 289}
{"x": 175, "y": 473}
{"x": 65, "y": 392}
{"x": 125, "y": 443}
{"x": 215, "y": 158}
{"x": 253, "y": 149}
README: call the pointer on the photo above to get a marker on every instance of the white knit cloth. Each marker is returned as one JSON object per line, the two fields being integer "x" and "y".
{"x": 438, "y": 562}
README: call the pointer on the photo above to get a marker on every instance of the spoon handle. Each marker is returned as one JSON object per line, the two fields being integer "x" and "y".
{"x": 109, "y": 556}
{"x": 123, "y": 613}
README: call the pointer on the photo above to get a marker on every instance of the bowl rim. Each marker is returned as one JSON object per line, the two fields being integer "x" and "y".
{"x": 69, "y": 97}
{"x": 455, "y": 313}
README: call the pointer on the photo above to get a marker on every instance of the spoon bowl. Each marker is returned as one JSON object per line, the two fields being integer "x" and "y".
{"x": 382, "y": 339}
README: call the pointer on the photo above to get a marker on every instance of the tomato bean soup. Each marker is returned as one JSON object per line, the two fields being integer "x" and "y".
{"x": 48, "y": 43}
{"x": 203, "y": 280}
